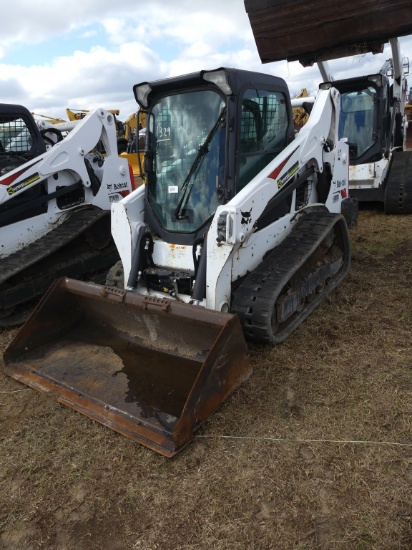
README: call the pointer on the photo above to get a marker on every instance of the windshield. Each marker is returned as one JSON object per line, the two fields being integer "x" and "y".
{"x": 186, "y": 135}
{"x": 356, "y": 120}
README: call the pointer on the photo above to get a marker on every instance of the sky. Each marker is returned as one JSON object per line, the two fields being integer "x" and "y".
{"x": 89, "y": 53}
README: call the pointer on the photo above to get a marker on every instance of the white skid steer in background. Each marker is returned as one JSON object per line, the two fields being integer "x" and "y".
{"x": 55, "y": 199}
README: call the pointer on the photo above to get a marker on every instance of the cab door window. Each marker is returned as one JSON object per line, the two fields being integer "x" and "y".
{"x": 263, "y": 131}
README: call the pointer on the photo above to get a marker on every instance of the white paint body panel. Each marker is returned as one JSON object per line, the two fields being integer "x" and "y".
{"x": 243, "y": 248}
{"x": 368, "y": 176}
{"x": 66, "y": 160}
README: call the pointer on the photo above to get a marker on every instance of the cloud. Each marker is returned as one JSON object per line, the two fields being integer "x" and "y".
{"x": 84, "y": 80}
{"x": 93, "y": 55}
{"x": 11, "y": 87}
{"x": 135, "y": 47}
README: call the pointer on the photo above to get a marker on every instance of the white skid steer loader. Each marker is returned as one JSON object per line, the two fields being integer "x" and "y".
{"x": 55, "y": 199}
{"x": 238, "y": 232}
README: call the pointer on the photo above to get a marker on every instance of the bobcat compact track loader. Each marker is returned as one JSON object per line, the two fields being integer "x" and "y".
{"x": 374, "y": 121}
{"x": 55, "y": 199}
{"x": 237, "y": 232}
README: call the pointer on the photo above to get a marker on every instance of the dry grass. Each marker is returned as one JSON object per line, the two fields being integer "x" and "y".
{"x": 314, "y": 451}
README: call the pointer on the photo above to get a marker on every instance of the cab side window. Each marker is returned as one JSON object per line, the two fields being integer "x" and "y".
{"x": 263, "y": 131}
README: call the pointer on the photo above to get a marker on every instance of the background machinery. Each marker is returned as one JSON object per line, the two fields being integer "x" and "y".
{"x": 374, "y": 121}
{"x": 237, "y": 232}
{"x": 127, "y": 135}
{"x": 301, "y": 107}
{"x": 49, "y": 119}
{"x": 372, "y": 115}
{"x": 55, "y": 198}
{"x": 78, "y": 114}
{"x": 134, "y": 129}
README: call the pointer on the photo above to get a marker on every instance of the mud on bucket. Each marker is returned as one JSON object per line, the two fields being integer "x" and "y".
{"x": 149, "y": 368}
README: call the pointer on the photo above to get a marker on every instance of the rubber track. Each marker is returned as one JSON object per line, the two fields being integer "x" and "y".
{"x": 79, "y": 262}
{"x": 398, "y": 191}
{"x": 78, "y": 222}
{"x": 253, "y": 300}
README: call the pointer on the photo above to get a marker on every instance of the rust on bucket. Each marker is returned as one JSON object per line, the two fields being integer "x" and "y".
{"x": 151, "y": 369}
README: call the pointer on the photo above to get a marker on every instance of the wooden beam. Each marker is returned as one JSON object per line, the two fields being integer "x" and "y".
{"x": 311, "y": 31}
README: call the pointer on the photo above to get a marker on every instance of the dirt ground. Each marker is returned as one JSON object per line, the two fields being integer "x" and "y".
{"x": 314, "y": 451}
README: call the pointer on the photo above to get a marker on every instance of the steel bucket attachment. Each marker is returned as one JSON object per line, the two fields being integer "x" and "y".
{"x": 151, "y": 369}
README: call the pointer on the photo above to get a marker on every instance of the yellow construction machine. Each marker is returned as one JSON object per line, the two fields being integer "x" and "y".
{"x": 134, "y": 130}
{"x": 78, "y": 114}
{"x": 301, "y": 113}
{"x": 50, "y": 119}
{"x": 127, "y": 136}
